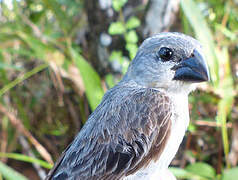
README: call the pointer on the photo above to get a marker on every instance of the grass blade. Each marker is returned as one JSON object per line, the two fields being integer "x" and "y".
{"x": 18, "y": 80}
{"x": 21, "y": 157}
{"x": 10, "y": 173}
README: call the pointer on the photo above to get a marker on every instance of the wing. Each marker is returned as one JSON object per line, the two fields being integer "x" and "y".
{"x": 118, "y": 139}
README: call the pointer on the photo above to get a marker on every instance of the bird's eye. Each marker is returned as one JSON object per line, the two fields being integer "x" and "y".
{"x": 165, "y": 53}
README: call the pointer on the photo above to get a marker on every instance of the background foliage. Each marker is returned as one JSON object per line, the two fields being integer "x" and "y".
{"x": 57, "y": 60}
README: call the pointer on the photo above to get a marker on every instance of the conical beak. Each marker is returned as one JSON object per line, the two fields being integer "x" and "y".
{"x": 193, "y": 69}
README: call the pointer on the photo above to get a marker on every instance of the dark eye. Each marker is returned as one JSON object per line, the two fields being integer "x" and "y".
{"x": 165, "y": 53}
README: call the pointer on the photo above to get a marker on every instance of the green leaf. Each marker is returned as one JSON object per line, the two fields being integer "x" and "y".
{"x": 116, "y": 28}
{"x": 180, "y": 173}
{"x": 131, "y": 37}
{"x": 183, "y": 174}
{"x": 118, "y": 4}
{"x": 116, "y": 56}
{"x": 132, "y": 23}
{"x": 10, "y": 173}
{"x": 192, "y": 127}
{"x": 25, "y": 158}
{"x": 91, "y": 80}
{"x": 201, "y": 169}
{"x": 230, "y": 174}
{"x": 132, "y": 48}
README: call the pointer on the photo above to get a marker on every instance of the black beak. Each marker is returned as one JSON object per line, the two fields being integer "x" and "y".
{"x": 193, "y": 69}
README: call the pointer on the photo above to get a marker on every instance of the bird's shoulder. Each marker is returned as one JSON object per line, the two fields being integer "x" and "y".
{"x": 127, "y": 130}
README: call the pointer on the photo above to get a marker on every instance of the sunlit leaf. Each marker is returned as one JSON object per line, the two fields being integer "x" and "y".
{"x": 118, "y": 4}
{"x": 201, "y": 169}
{"x": 91, "y": 80}
{"x": 230, "y": 174}
{"x": 131, "y": 37}
{"x": 132, "y": 48}
{"x": 116, "y": 28}
{"x": 184, "y": 174}
{"x": 132, "y": 23}
{"x": 116, "y": 55}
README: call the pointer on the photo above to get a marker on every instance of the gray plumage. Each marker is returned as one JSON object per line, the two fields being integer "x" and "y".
{"x": 131, "y": 127}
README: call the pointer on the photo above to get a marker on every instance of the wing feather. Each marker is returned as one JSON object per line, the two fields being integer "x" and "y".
{"x": 118, "y": 139}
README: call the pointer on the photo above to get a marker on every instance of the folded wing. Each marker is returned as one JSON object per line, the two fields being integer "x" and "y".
{"x": 118, "y": 139}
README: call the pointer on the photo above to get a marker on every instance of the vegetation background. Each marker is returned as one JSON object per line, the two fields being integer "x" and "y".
{"x": 58, "y": 57}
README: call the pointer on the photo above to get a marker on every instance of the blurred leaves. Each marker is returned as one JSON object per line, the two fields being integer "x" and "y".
{"x": 126, "y": 29}
{"x": 61, "y": 16}
{"x": 36, "y": 35}
{"x": 204, "y": 35}
{"x": 219, "y": 65}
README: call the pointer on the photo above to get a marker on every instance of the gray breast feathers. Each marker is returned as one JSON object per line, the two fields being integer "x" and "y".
{"x": 118, "y": 138}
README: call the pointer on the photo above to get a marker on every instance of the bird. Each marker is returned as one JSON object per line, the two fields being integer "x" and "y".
{"x": 136, "y": 130}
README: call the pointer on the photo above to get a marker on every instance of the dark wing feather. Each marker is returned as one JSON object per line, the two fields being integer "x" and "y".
{"x": 118, "y": 138}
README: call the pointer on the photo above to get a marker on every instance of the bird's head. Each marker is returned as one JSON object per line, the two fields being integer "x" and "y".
{"x": 170, "y": 61}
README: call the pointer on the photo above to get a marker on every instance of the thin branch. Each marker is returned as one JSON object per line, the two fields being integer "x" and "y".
{"x": 211, "y": 124}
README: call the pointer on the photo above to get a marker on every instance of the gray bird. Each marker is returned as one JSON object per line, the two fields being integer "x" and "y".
{"x": 136, "y": 130}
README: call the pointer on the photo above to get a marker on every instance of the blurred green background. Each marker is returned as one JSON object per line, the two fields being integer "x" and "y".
{"x": 58, "y": 57}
